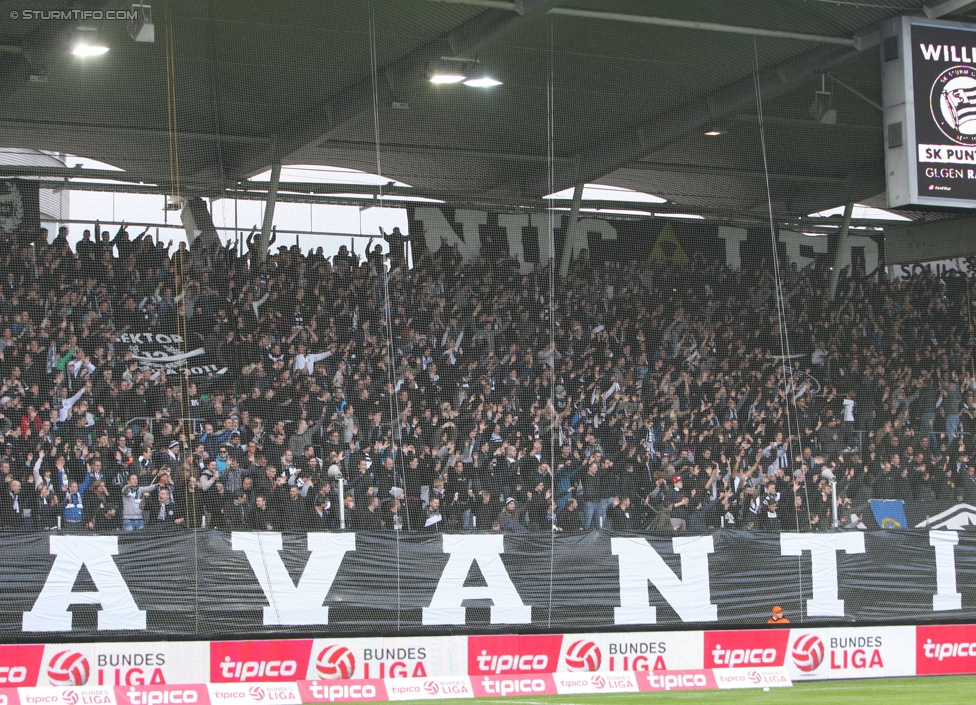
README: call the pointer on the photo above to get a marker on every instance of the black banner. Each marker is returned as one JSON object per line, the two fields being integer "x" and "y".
{"x": 19, "y": 206}
{"x": 645, "y": 240}
{"x": 212, "y": 584}
{"x": 167, "y": 348}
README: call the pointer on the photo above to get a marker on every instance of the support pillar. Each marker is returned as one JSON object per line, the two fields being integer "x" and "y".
{"x": 265, "y": 237}
{"x": 841, "y": 244}
{"x": 572, "y": 228}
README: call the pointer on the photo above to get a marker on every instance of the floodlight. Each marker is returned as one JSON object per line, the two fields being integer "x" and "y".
{"x": 713, "y": 133}
{"x": 87, "y": 43}
{"x": 482, "y": 82}
{"x": 89, "y": 49}
{"x": 140, "y": 25}
{"x": 447, "y": 78}
{"x": 450, "y": 69}
{"x": 821, "y": 107}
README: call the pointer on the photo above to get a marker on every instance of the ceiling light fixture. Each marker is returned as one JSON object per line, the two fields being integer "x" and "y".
{"x": 447, "y": 78}
{"x": 140, "y": 24}
{"x": 88, "y": 43}
{"x": 822, "y": 108}
{"x": 89, "y": 50}
{"x": 448, "y": 70}
{"x": 483, "y": 82}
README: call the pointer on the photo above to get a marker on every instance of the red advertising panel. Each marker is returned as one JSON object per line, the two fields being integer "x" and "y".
{"x": 162, "y": 695}
{"x": 342, "y": 691}
{"x": 513, "y": 654}
{"x": 949, "y": 649}
{"x": 9, "y": 696}
{"x": 494, "y": 686}
{"x": 259, "y": 661}
{"x": 655, "y": 681}
{"x": 20, "y": 665}
{"x": 746, "y": 649}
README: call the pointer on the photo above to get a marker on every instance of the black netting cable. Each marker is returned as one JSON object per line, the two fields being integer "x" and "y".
{"x": 551, "y": 158}
{"x": 780, "y": 302}
{"x": 384, "y": 273}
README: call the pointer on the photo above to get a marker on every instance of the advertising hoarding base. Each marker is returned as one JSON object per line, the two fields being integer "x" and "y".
{"x": 388, "y": 689}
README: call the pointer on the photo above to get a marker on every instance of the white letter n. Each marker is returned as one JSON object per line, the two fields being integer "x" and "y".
{"x": 640, "y": 564}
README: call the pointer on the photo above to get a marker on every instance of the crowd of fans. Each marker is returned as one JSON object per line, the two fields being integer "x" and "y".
{"x": 454, "y": 395}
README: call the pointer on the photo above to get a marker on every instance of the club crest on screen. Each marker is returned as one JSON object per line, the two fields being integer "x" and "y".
{"x": 953, "y": 103}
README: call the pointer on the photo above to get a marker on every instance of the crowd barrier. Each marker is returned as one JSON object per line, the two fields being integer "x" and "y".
{"x": 801, "y": 653}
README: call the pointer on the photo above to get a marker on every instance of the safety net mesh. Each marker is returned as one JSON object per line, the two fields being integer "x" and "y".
{"x": 385, "y": 317}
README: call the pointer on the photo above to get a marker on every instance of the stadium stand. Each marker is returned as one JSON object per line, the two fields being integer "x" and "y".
{"x": 447, "y": 402}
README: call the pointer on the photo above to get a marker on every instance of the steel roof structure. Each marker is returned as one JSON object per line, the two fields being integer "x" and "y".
{"x": 622, "y": 91}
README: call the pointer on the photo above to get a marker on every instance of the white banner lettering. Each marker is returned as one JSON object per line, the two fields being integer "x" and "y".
{"x": 823, "y": 557}
{"x": 288, "y": 604}
{"x": 946, "y": 597}
{"x": 640, "y": 564}
{"x": 50, "y": 612}
{"x": 447, "y": 605}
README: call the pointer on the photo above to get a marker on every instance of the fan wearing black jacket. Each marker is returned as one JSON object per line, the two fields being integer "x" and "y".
{"x": 619, "y": 515}
{"x": 162, "y": 511}
{"x": 769, "y": 519}
{"x": 238, "y": 513}
{"x": 568, "y": 520}
{"x": 265, "y": 518}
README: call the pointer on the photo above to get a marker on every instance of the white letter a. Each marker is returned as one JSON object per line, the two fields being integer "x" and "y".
{"x": 50, "y": 612}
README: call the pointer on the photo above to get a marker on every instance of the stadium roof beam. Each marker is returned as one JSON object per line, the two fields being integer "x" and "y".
{"x": 353, "y": 196}
{"x": 704, "y": 26}
{"x": 325, "y": 119}
{"x": 738, "y": 173}
{"x": 39, "y": 132}
{"x": 507, "y": 5}
{"x": 664, "y": 129}
{"x": 672, "y": 22}
{"x": 949, "y": 7}
{"x": 414, "y": 149}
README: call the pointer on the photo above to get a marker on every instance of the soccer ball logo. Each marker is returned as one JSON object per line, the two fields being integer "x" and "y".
{"x": 256, "y": 692}
{"x": 335, "y": 662}
{"x": 68, "y": 668}
{"x": 432, "y": 688}
{"x": 808, "y": 653}
{"x": 583, "y": 656}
